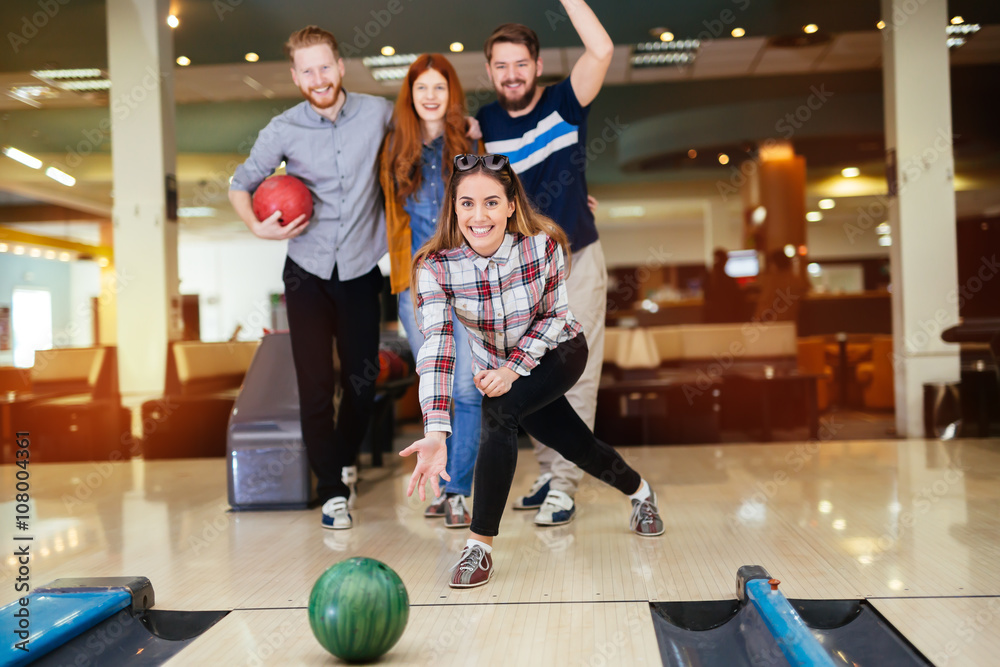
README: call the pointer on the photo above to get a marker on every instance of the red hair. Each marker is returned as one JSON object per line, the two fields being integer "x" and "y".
{"x": 406, "y": 140}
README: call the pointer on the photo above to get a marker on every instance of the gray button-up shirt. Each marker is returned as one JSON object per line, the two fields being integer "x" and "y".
{"x": 338, "y": 162}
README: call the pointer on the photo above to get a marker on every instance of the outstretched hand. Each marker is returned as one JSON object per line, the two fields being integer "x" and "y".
{"x": 432, "y": 457}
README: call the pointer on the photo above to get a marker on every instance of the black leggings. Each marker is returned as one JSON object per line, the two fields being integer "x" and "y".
{"x": 537, "y": 402}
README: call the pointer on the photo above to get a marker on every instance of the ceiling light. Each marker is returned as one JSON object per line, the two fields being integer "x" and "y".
{"x": 627, "y": 211}
{"x": 183, "y": 61}
{"x": 883, "y": 228}
{"x": 19, "y": 250}
{"x": 79, "y": 73}
{"x": 810, "y": 29}
{"x": 35, "y": 252}
{"x": 850, "y": 172}
{"x": 50, "y": 254}
{"x": 664, "y": 54}
{"x": 60, "y": 176}
{"x": 814, "y": 270}
{"x": 93, "y": 84}
{"x": 173, "y": 21}
{"x": 827, "y": 204}
{"x": 195, "y": 212}
{"x": 692, "y": 153}
{"x": 390, "y": 73}
{"x": 723, "y": 158}
{"x": 738, "y": 32}
{"x": 956, "y": 20}
{"x": 102, "y": 262}
{"x": 789, "y": 250}
{"x": 22, "y": 157}
{"x": 64, "y": 257}
{"x": 759, "y": 215}
{"x": 456, "y": 47}
{"x": 814, "y": 216}
{"x": 880, "y": 25}
{"x": 251, "y": 57}
{"x": 885, "y": 241}
{"x": 666, "y": 36}
{"x": 3, "y": 247}
{"x": 388, "y": 51}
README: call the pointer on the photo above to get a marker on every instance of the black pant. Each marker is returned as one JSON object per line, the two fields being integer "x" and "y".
{"x": 319, "y": 313}
{"x": 537, "y": 403}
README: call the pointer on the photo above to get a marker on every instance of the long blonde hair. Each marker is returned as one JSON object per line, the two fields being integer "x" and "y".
{"x": 526, "y": 220}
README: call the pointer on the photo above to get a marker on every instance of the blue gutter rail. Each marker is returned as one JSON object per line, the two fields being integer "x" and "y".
{"x": 794, "y": 638}
{"x": 65, "y": 609}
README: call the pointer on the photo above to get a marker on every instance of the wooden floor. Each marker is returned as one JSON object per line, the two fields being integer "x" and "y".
{"x": 912, "y": 525}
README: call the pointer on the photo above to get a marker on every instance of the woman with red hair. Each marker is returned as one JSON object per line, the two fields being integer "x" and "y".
{"x": 429, "y": 129}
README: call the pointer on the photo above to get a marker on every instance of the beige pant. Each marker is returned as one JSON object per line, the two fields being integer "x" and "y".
{"x": 587, "y": 287}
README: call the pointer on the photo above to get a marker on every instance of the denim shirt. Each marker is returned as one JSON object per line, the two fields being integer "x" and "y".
{"x": 424, "y": 205}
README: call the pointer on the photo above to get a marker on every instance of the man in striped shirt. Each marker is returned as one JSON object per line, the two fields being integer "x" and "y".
{"x": 543, "y": 130}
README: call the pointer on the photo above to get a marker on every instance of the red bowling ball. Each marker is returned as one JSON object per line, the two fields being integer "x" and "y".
{"x": 282, "y": 193}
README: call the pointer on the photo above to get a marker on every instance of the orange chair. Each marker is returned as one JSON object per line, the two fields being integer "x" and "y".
{"x": 812, "y": 359}
{"x": 876, "y": 376}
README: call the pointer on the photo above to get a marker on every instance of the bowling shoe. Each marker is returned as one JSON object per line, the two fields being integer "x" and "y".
{"x": 474, "y": 568}
{"x": 646, "y": 519}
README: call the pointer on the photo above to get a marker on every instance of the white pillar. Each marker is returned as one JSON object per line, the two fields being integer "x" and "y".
{"x": 140, "y": 63}
{"x": 923, "y": 258}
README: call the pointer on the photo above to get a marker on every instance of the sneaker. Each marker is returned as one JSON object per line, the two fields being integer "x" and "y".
{"x": 557, "y": 509}
{"x": 536, "y": 495}
{"x": 646, "y": 519}
{"x": 349, "y": 476}
{"x": 474, "y": 568}
{"x": 335, "y": 515}
{"x": 456, "y": 513}
{"x": 437, "y": 509}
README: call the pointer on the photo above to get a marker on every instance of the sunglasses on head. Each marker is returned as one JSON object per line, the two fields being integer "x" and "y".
{"x": 469, "y": 161}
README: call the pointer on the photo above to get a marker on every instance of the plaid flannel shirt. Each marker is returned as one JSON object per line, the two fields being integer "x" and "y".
{"x": 514, "y": 304}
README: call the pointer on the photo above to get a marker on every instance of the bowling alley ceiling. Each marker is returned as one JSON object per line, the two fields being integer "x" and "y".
{"x": 222, "y": 99}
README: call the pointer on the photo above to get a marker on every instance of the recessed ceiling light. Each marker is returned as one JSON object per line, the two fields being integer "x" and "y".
{"x": 388, "y": 51}
{"x": 251, "y": 57}
{"x": 826, "y": 204}
{"x": 64, "y": 257}
{"x": 666, "y": 36}
{"x": 19, "y": 250}
{"x": 35, "y": 252}
{"x": 50, "y": 254}
{"x": 810, "y": 29}
{"x": 183, "y": 61}
{"x": 738, "y": 32}
{"x": 692, "y": 153}
{"x": 956, "y": 20}
{"x": 3, "y": 247}
{"x": 173, "y": 21}
{"x": 880, "y": 25}
{"x": 885, "y": 241}
{"x": 850, "y": 172}
{"x": 456, "y": 47}
{"x": 789, "y": 250}
{"x": 723, "y": 158}
{"x": 814, "y": 216}
{"x": 883, "y": 228}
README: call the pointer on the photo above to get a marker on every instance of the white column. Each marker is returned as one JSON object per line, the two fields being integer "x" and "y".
{"x": 140, "y": 63}
{"x": 923, "y": 257}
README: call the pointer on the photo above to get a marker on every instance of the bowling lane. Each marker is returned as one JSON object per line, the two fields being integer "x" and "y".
{"x": 447, "y": 635}
{"x": 951, "y": 632}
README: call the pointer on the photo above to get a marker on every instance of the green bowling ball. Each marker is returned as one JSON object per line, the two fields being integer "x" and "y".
{"x": 358, "y": 609}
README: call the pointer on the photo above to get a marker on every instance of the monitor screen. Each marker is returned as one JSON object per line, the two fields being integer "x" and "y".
{"x": 742, "y": 264}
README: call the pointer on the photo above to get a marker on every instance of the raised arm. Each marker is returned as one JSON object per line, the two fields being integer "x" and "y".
{"x": 589, "y": 71}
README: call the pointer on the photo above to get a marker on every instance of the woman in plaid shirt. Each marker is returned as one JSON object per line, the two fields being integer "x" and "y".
{"x": 499, "y": 266}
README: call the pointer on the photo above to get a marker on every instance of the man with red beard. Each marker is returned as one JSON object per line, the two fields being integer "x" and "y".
{"x": 332, "y": 284}
{"x": 543, "y": 132}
